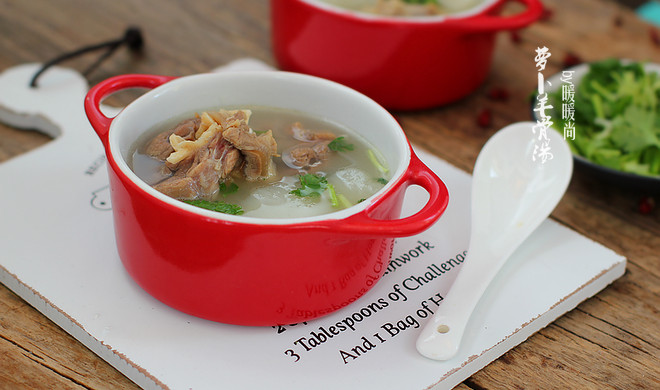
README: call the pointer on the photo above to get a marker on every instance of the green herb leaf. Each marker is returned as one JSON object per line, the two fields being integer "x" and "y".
{"x": 381, "y": 180}
{"x": 311, "y": 185}
{"x": 228, "y": 189}
{"x": 339, "y": 145}
{"x": 634, "y": 130}
{"x": 221, "y": 207}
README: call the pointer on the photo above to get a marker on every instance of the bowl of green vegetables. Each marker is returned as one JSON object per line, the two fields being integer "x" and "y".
{"x": 609, "y": 112}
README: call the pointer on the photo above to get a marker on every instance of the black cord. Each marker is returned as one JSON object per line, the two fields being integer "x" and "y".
{"x": 131, "y": 38}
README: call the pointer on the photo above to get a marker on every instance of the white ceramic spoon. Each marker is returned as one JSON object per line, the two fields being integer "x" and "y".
{"x": 511, "y": 195}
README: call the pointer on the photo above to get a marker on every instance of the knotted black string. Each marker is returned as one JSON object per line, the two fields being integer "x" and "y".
{"x": 131, "y": 38}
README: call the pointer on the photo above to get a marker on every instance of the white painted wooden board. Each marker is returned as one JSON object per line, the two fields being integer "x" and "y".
{"x": 58, "y": 253}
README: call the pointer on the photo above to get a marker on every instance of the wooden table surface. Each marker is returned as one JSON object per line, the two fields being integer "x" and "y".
{"x": 609, "y": 341}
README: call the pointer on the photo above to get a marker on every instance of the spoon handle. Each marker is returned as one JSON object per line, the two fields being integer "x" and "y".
{"x": 441, "y": 336}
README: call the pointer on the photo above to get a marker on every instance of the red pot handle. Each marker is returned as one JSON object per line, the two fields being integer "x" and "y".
{"x": 96, "y": 94}
{"x": 417, "y": 173}
{"x": 488, "y": 22}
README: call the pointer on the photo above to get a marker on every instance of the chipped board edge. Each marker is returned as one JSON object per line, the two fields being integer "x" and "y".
{"x": 123, "y": 364}
{"x": 477, "y": 362}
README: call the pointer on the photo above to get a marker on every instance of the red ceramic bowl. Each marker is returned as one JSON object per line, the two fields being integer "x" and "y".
{"x": 255, "y": 271}
{"x": 403, "y": 63}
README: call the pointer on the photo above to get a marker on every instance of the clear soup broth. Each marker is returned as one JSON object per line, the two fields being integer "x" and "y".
{"x": 406, "y": 8}
{"x": 260, "y": 162}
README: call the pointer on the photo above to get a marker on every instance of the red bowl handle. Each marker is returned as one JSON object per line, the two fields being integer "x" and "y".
{"x": 487, "y": 22}
{"x": 419, "y": 174}
{"x": 96, "y": 94}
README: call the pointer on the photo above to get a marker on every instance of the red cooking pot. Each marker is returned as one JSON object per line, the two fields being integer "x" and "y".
{"x": 245, "y": 270}
{"x": 401, "y": 62}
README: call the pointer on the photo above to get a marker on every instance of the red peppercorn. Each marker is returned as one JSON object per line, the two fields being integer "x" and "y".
{"x": 618, "y": 21}
{"x": 547, "y": 14}
{"x": 484, "y": 118}
{"x": 515, "y": 36}
{"x": 571, "y": 59}
{"x": 655, "y": 36}
{"x": 646, "y": 205}
{"x": 498, "y": 93}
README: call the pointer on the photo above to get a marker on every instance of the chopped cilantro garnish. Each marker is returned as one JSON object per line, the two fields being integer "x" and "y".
{"x": 333, "y": 196}
{"x": 338, "y": 200}
{"x": 381, "y": 180}
{"x": 340, "y": 145}
{"x": 343, "y": 201}
{"x": 378, "y": 161}
{"x": 221, "y": 207}
{"x": 228, "y": 189}
{"x": 311, "y": 185}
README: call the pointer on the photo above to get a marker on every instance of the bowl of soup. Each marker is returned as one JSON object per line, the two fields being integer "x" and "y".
{"x": 405, "y": 56}
{"x": 257, "y": 198}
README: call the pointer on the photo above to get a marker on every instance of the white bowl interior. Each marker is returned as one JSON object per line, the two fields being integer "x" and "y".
{"x": 312, "y": 95}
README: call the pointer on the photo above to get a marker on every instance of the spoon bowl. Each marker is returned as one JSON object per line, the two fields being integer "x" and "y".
{"x": 514, "y": 188}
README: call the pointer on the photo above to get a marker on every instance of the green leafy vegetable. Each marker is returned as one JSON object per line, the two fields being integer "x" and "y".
{"x": 340, "y": 145}
{"x": 228, "y": 189}
{"x": 220, "y": 207}
{"x": 617, "y": 124}
{"x": 311, "y": 185}
{"x": 381, "y": 180}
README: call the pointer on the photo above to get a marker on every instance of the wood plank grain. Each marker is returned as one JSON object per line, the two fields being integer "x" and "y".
{"x": 37, "y": 354}
{"x": 14, "y": 142}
